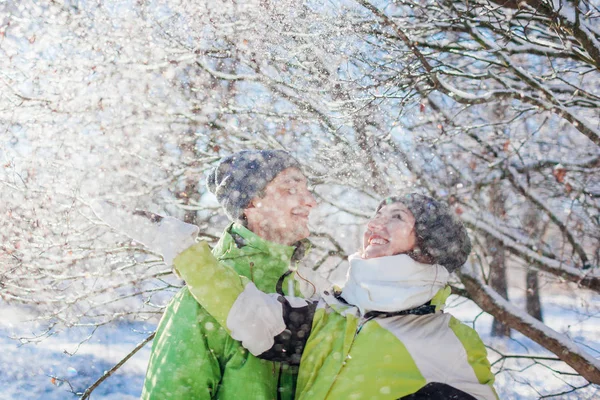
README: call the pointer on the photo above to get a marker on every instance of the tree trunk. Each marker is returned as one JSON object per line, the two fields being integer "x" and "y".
{"x": 532, "y": 297}
{"x": 535, "y": 226}
{"x": 498, "y": 282}
{"x": 498, "y": 262}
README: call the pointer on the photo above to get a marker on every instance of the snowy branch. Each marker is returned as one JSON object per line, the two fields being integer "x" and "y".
{"x": 563, "y": 347}
{"x": 589, "y": 279}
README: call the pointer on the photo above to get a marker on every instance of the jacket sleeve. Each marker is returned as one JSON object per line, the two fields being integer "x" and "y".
{"x": 183, "y": 364}
{"x": 477, "y": 358}
{"x": 270, "y": 326}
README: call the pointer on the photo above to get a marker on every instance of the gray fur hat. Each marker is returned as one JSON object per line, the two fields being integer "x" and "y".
{"x": 241, "y": 176}
{"x": 440, "y": 234}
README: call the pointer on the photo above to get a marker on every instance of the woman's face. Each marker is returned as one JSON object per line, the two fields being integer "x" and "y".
{"x": 391, "y": 231}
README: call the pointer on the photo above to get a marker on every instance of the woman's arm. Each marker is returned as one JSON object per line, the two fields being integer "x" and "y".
{"x": 270, "y": 326}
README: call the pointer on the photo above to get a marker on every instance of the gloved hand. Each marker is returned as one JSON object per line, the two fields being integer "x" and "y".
{"x": 167, "y": 236}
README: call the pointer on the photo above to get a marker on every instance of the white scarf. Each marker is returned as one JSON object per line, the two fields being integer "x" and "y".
{"x": 393, "y": 283}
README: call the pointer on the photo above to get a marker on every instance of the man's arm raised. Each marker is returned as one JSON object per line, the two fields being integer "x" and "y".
{"x": 268, "y": 325}
{"x": 265, "y": 324}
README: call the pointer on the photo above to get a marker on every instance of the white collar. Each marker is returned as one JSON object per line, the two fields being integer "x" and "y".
{"x": 393, "y": 283}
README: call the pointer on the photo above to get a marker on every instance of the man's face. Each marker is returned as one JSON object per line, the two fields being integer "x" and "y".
{"x": 281, "y": 215}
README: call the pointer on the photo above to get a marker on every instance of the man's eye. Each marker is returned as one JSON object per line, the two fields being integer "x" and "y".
{"x": 293, "y": 191}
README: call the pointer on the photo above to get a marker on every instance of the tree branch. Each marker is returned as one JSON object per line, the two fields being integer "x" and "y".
{"x": 108, "y": 373}
{"x": 589, "y": 280}
{"x": 514, "y": 179}
{"x": 492, "y": 303}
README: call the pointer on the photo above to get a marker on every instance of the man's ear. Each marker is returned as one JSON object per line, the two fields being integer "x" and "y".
{"x": 250, "y": 209}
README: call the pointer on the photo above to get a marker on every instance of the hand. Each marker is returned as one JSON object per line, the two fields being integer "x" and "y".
{"x": 167, "y": 236}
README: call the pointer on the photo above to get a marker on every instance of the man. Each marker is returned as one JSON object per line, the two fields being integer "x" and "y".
{"x": 265, "y": 195}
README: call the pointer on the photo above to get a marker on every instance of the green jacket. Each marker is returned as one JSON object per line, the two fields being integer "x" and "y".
{"x": 193, "y": 357}
{"x": 349, "y": 355}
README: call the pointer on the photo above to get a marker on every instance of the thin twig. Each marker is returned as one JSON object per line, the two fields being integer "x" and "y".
{"x": 108, "y": 373}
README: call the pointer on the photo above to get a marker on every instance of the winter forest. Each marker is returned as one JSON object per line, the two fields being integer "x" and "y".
{"x": 492, "y": 106}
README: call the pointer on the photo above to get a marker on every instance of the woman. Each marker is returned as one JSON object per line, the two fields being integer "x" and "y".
{"x": 384, "y": 335}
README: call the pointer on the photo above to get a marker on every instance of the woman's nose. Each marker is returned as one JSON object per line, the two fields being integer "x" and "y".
{"x": 375, "y": 223}
{"x": 309, "y": 199}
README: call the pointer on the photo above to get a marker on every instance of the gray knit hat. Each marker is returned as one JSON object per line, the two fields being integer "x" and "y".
{"x": 439, "y": 232}
{"x": 241, "y": 176}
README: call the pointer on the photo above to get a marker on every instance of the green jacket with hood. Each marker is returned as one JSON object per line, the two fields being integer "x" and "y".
{"x": 194, "y": 358}
{"x": 349, "y": 355}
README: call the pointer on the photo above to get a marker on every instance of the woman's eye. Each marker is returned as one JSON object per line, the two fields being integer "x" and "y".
{"x": 398, "y": 217}
{"x": 293, "y": 191}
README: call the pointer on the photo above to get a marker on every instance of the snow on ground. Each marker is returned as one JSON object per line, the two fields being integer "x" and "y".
{"x": 27, "y": 369}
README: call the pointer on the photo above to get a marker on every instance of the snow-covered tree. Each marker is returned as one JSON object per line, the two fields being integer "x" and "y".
{"x": 133, "y": 101}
